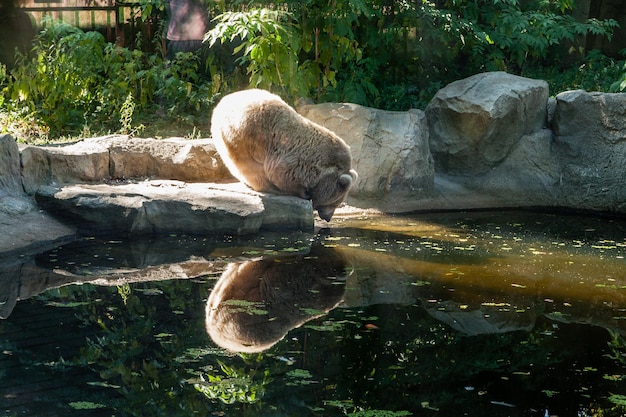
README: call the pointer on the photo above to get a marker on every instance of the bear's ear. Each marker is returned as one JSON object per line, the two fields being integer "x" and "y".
{"x": 345, "y": 181}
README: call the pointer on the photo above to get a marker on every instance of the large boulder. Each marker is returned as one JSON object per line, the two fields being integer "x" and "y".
{"x": 390, "y": 150}
{"x": 173, "y": 158}
{"x": 120, "y": 157}
{"x": 166, "y": 206}
{"x": 10, "y": 182}
{"x": 475, "y": 122}
{"x": 23, "y": 228}
{"x": 12, "y": 198}
{"x": 529, "y": 176}
{"x": 84, "y": 161}
{"x": 590, "y": 131}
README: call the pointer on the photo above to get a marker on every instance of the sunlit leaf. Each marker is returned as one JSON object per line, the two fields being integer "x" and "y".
{"x": 86, "y": 405}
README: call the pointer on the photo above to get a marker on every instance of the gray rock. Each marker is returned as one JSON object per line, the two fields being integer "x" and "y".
{"x": 390, "y": 150}
{"x": 84, "y": 161}
{"x": 475, "y": 122}
{"x": 102, "y": 158}
{"x": 165, "y": 206}
{"x": 598, "y": 116}
{"x": 590, "y": 131}
{"x": 13, "y": 201}
{"x": 23, "y": 228}
{"x": 10, "y": 183}
{"x": 529, "y": 176}
{"x": 173, "y": 158}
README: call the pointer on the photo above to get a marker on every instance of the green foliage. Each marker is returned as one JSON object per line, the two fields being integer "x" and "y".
{"x": 597, "y": 73}
{"x": 59, "y": 84}
{"x": 150, "y": 7}
{"x": 126, "y": 117}
{"x": 269, "y": 44}
{"x": 235, "y": 386}
{"x": 366, "y": 51}
{"x": 74, "y": 79}
{"x": 501, "y": 35}
{"x": 619, "y": 85}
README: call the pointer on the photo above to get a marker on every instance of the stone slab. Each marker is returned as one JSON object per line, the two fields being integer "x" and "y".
{"x": 167, "y": 206}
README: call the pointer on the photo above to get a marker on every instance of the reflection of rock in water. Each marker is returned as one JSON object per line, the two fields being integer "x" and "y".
{"x": 255, "y": 303}
{"x": 483, "y": 319}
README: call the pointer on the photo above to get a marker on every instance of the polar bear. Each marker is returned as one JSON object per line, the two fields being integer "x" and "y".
{"x": 268, "y": 146}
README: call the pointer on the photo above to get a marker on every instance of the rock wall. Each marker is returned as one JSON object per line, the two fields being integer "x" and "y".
{"x": 119, "y": 157}
{"x": 497, "y": 141}
{"x": 475, "y": 123}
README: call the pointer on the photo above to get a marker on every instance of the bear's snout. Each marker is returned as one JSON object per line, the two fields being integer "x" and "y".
{"x": 326, "y": 213}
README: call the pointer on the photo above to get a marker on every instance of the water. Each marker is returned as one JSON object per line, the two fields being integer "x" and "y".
{"x": 448, "y": 314}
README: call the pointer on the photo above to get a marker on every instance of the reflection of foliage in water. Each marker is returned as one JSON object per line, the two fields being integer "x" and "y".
{"x": 236, "y": 386}
{"x": 381, "y": 360}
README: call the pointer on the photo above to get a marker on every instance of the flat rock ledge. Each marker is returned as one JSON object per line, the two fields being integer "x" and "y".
{"x": 170, "y": 206}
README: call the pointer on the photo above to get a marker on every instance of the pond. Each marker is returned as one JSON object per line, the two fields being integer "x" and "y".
{"x": 447, "y": 314}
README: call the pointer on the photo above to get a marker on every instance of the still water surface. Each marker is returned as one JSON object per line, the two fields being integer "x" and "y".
{"x": 448, "y": 314}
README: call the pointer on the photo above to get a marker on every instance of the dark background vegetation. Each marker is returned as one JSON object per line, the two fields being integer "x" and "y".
{"x": 392, "y": 55}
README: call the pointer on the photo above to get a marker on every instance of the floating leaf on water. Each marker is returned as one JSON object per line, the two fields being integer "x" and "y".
{"x": 502, "y": 403}
{"x": 103, "y": 384}
{"x": 150, "y": 291}
{"x": 312, "y": 311}
{"x": 85, "y": 405}
{"x": 518, "y": 286}
{"x": 426, "y": 405}
{"x": 379, "y": 413}
{"x": 69, "y": 304}
{"x": 549, "y": 393}
{"x": 496, "y": 304}
{"x": 293, "y": 249}
{"x": 420, "y": 283}
{"x": 246, "y": 307}
{"x": 614, "y": 377}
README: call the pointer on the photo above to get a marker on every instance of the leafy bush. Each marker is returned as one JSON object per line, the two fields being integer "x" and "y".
{"x": 619, "y": 85}
{"x": 597, "y": 73}
{"x": 75, "y": 79}
{"x": 355, "y": 50}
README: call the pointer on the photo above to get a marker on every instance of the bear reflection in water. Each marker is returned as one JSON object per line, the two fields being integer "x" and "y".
{"x": 255, "y": 303}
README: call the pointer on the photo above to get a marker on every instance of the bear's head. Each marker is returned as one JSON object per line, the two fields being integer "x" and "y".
{"x": 330, "y": 192}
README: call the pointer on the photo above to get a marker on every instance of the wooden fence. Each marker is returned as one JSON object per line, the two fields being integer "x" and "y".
{"x": 118, "y": 21}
